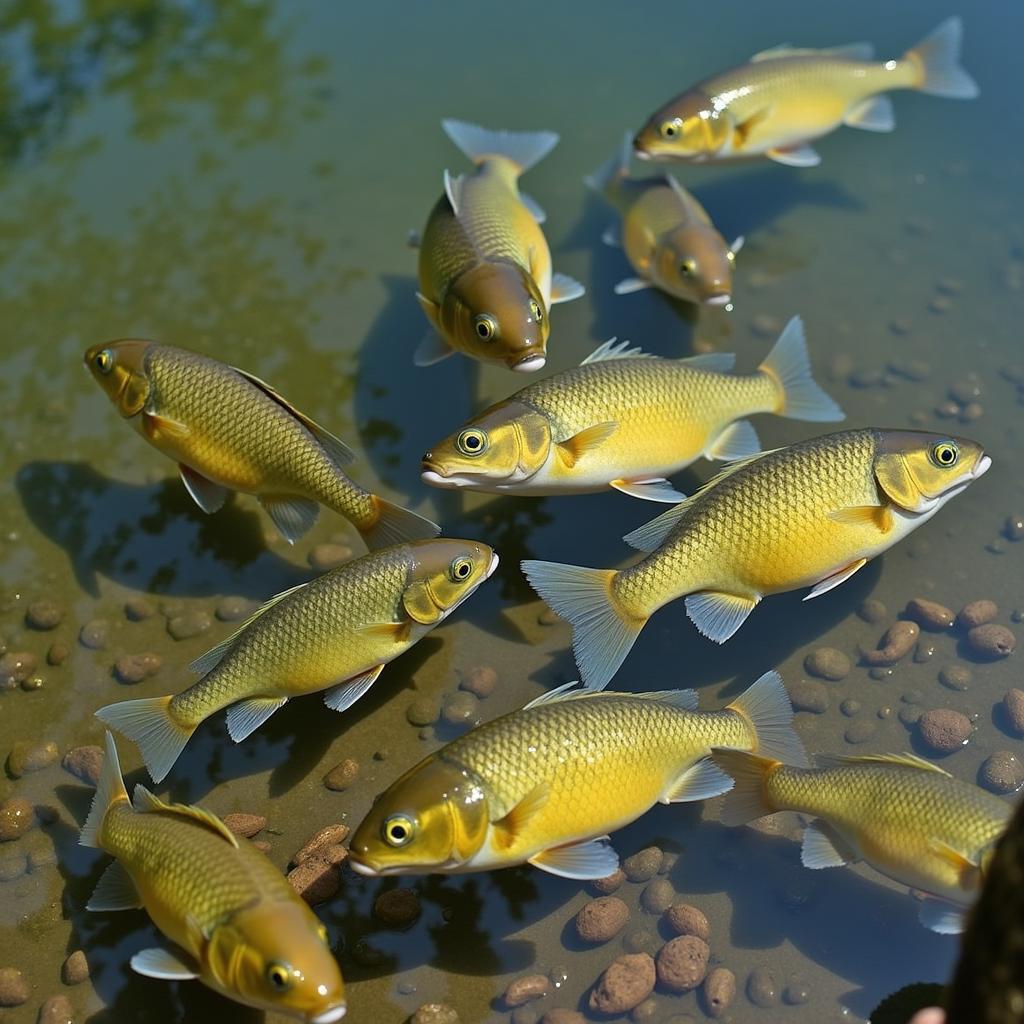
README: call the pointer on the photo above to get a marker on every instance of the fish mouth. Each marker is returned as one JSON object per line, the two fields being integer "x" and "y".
{"x": 364, "y": 869}
{"x": 450, "y": 483}
{"x": 529, "y": 364}
{"x": 718, "y": 300}
{"x": 984, "y": 463}
{"x": 492, "y": 566}
{"x": 331, "y": 1014}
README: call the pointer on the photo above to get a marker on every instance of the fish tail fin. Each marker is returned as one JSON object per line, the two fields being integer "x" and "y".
{"x": 396, "y": 525}
{"x": 524, "y": 149}
{"x": 789, "y": 367}
{"x": 109, "y": 790}
{"x": 602, "y": 630}
{"x": 766, "y": 707}
{"x": 149, "y": 724}
{"x": 748, "y": 799}
{"x": 610, "y": 173}
{"x": 937, "y": 58}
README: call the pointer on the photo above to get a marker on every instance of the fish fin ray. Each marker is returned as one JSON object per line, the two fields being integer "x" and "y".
{"x": 536, "y": 210}
{"x": 432, "y": 349}
{"x": 209, "y": 496}
{"x": 147, "y": 722}
{"x": 453, "y": 190}
{"x": 565, "y": 288}
{"x": 803, "y": 155}
{"x": 737, "y": 243}
{"x": 879, "y": 516}
{"x": 398, "y": 632}
{"x": 612, "y": 236}
{"x": 875, "y": 114}
{"x": 717, "y": 362}
{"x": 245, "y": 717}
{"x": 594, "y": 858}
{"x": 293, "y": 516}
{"x": 146, "y": 802}
{"x": 572, "y": 449}
{"x": 613, "y": 170}
{"x": 154, "y": 424}
{"x": 789, "y": 367}
{"x": 766, "y": 706}
{"x": 904, "y": 760}
{"x": 940, "y": 916}
{"x": 525, "y": 149}
{"x": 396, "y": 525}
{"x": 615, "y": 349}
{"x": 163, "y": 964}
{"x": 833, "y": 581}
{"x": 654, "y": 489}
{"x": 823, "y": 847}
{"x": 717, "y": 615}
{"x": 954, "y": 857}
{"x": 850, "y": 51}
{"x": 748, "y": 799}
{"x": 628, "y": 285}
{"x": 699, "y": 781}
{"x": 938, "y": 56}
{"x": 511, "y": 825}
{"x": 557, "y": 694}
{"x": 739, "y": 440}
{"x": 109, "y": 789}
{"x": 344, "y": 695}
{"x": 115, "y": 890}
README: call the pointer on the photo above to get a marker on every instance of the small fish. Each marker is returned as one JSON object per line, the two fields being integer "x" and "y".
{"x": 906, "y": 817}
{"x": 784, "y": 98}
{"x": 335, "y": 633}
{"x": 235, "y": 922}
{"x": 667, "y": 235}
{"x": 230, "y": 431}
{"x": 809, "y": 515}
{"x": 486, "y": 284}
{"x": 545, "y": 784}
{"x": 626, "y": 420}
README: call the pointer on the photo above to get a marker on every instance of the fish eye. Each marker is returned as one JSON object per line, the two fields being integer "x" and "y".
{"x": 279, "y": 976}
{"x": 536, "y": 311}
{"x": 688, "y": 267}
{"x": 485, "y": 326}
{"x": 104, "y": 360}
{"x": 397, "y": 830}
{"x": 945, "y": 454}
{"x": 471, "y": 442}
{"x": 460, "y": 569}
{"x": 671, "y": 129}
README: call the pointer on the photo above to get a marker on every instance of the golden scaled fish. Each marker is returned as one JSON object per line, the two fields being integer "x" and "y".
{"x": 486, "y": 284}
{"x": 234, "y": 920}
{"x": 335, "y": 633}
{"x": 906, "y": 817}
{"x": 626, "y": 420}
{"x": 230, "y": 431}
{"x": 546, "y": 783}
{"x": 666, "y": 234}
{"x": 784, "y": 98}
{"x": 809, "y": 515}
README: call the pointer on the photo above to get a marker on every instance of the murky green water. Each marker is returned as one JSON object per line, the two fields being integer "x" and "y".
{"x": 239, "y": 178}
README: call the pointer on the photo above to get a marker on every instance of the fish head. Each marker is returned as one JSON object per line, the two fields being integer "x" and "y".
{"x": 119, "y": 367}
{"x": 690, "y": 127}
{"x": 495, "y": 311}
{"x": 276, "y": 956}
{"x": 434, "y": 818}
{"x": 506, "y": 444}
{"x": 693, "y": 262}
{"x": 920, "y": 471}
{"x": 442, "y": 573}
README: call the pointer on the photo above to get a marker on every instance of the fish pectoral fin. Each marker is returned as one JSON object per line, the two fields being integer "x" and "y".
{"x": 864, "y": 515}
{"x": 742, "y": 130}
{"x": 802, "y": 155}
{"x": 146, "y": 802}
{"x": 738, "y": 441}
{"x": 654, "y": 489}
{"x": 245, "y": 717}
{"x": 517, "y": 819}
{"x": 344, "y": 695}
{"x": 941, "y": 916}
{"x": 875, "y": 114}
{"x": 700, "y": 781}
{"x": 628, "y": 285}
{"x": 210, "y": 497}
{"x": 397, "y": 632}
{"x": 565, "y": 288}
{"x": 155, "y": 426}
{"x": 595, "y": 858}
{"x": 453, "y": 190}
{"x": 823, "y": 847}
{"x": 164, "y": 964}
{"x": 833, "y": 581}
{"x": 960, "y": 862}
{"x": 115, "y": 890}
{"x": 293, "y": 516}
{"x": 572, "y": 449}
{"x": 432, "y": 349}
{"x": 431, "y": 310}
{"x": 612, "y": 236}
{"x": 536, "y": 210}
{"x": 717, "y": 616}
{"x": 737, "y": 244}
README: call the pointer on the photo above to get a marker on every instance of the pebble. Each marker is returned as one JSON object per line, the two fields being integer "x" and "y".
{"x": 940, "y": 304}
{"x": 965, "y": 391}
{"x": 643, "y": 865}
{"x": 764, "y": 325}
{"x": 480, "y": 681}
{"x": 944, "y": 730}
{"x": 1013, "y": 528}
{"x": 625, "y": 983}
{"x": 610, "y": 883}
{"x": 867, "y": 378}
{"x": 1002, "y": 772}
{"x": 342, "y": 775}
{"x": 44, "y": 615}
{"x": 14, "y": 988}
{"x": 134, "y": 668}
{"x": 16, "y": 667}
{"x": 1013, "y": 707}
{"x": 719, "y": 991}
{"x": 524, "y": 990}
{"x": 397, "y": 908}
{"x": 947, "y": 410}
{"x": 881, "y": 672}
{"x": 435, "y": 1013}
{"x": 261, "y": 844}
{"x": 601, "y": 919}
{"x": 809, "y": 695}
{"x": 977, "y": 613}
{"x": 896, "y": 643}
{"x": 561, "y": 1015}
{"x": 75, "y": 968}
{"x": 189, "y": 624}
{"x": 26, "y": 756}
{"x": 991, "y": 641}
{"x": 460, "y": 708}
{"x": 924, "y": 651}
{"x": 233, "y": 609}
{"x": 956, "y": 677}
{"x": 136, "y": 609}
{"x": 84, "y": 763}
{"x": 657, "y": 896}
{"x": 323, "y": 557}
{"x": 972, "y": 412}
{"x": 850, "y": 707}
{"x": 94, "y": 634}
{"x": 56, "y": 1010}
{"x": 795, "y": 993}
{"x": 17, "y": 816}
{"x": 321, "y": 842}
{"x": 684, "y": 919}
{"x": 13, "y": 864}
{"x": 827, "y": 663}
{"x": 668, "y": 861}
{"x": 762, "y": 989}
{"x": 245, "y": 825}
{"x": 682, "y": 963}
{"x": 910, "y": 714}
{"x": 860, "y": 731}
{"x": 315, "y": 880}
{"x": 641, "y": 941}
{"x": 57, "y": 653}
{"x": 645, "y": 1011}
{"x": 930, "y": 614}
{"x": 423, "y": 711}
{"x": 872, "y": 610}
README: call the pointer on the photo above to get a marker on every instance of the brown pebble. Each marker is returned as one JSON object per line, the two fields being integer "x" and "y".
{"x": 524, "y": 990}
{"x": 17, "y": 816}
{"x": 315, "y": 880}
{"x": 1013, "y": 708}
{"x": 956, "y": 677}
{"x": 84, "y": 763}
{"x": 261, "y": 844}
{"x": 930, "y": 614}
{"x": 601, "y": 919}
{"x": 342, "y": 775}
{"x": 16, "y": 667}
{"x": 397, "y": 908}
{"x": 657, "y": 896}
{"x": 719, "y": 990}
{"x": 827, "y": 663}
{"x": 562, "y": 1015}
{"x": 645, "y": 1011}
{"x": 762, "y": 989}
{"x": 26, "y": 756}
{"x": 189, "y": 624}
{"x": 626, "y": 982}
{"x": 684, "y": 919}
{"x": 896, "y": 643}
{"x": 94, "y": 634}
{"x": 245, "y": 825}
{"x": 44, "y": 615}
{"x": 682, "y": 963}
{"x": 331, "y": 835}
{"x": 75, "y": 968}
{"x": 14, "y": 988}
{"x": 924, "y": 650}
{"x": 991, "y": 641}
{"x": 977, "y": 613}
{"x": 136, "y": 609}
{"x": 57, "y": 653}
{"x": 134, "y": 668}
{"x": 435, "y": 1013}
{"x": 460, "y": 708}
{"x": 13, "y": 864}
{"x": 56, "y": 1010}
{"x": 480, "y": 680}
{"x": 972, "y": 412}
{"x": 641, "y": 940}
{"x": 423, "y": 711}
{"x": 809, "y": 695}
{"x": 233, "y": 609}
{"x": 795, "y": 993}
{"x": 609, "y": 883}
{"x": 323, "y": 557}
{"x": 872, "y": 610}
{"x": 1002, "y": 772}
{"x": 944, "y": 730}
{"x": 860, "y": 731}
{"x": 643, "y": 865}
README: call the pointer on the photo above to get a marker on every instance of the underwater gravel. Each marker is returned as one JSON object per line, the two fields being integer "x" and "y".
{"x": 944, "y": 730}
{"x": 626, "y": 982}
{"x": 682, "y": 963}
{"x": 718, "y": 991}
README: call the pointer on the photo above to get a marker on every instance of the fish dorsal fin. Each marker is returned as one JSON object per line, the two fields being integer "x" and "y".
{"x": 146, "y": 803}
{"x": 339, "y": 452}
{"x": 559, "y": 693}
{"x": 849, "y": 51}
{"x": 453, "y": 190}
{"x": 901, "y": 760}
{"x": 719, "y": 362}
{"x": 615, "y": 349}
{"x": 572, "y": 449}
{"x": 512, "y": 824}
{"x": 688, "y": 200}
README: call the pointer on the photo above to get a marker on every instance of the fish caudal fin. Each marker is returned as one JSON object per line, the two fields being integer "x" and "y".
{"x": 614, "y": 170}
{"x": 748, "y": 799}
{"x": 765, "y": 705}
{"x": 396, "y": 525}
{"x": 524, "y": 149}
{"x": 789, "y": 366}
{"x": 602, "y": 632}
{"x": 148, "y": 724}
{"x": 109, "y": 790}
{"x": 938, "y": 57}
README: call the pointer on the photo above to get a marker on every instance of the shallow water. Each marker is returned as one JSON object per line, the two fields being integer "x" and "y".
{"x": 239, "y": 178}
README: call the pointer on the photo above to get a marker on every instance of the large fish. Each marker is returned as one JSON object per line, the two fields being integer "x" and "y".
{"x": 784, "y": 98}
{"x": 906, "y": 817}
{"x": 546, "y": 783}
{"x": 229, "y": 431}
{"x": 809, "y": 515}
{"x": 335, "y": 633}
{"x": 235, "y": 922}
{"x": 486, "y": 284}
{"x": 626, "y": 420}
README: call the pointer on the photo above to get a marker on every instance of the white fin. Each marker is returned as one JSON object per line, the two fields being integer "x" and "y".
{"x": 453, "y": 190}
{"x": 210, "y": 497}
{"x": 655, "y": 489}
{"x": 432, "y": 349}
{"x": 833, "y": 581}
{"x": 652, "y": 535}
{"x": 615, "y": 349}
{"x": 344, "y": 695}
{"x": 940, "y": 916}
{"x": 396, "y": 525}
{"x": 875, "y": 114}
{"x": 163, "y": 964}
{"x": 717, "y": 616}
{"x": 146, "y": 802}
{"x": 628, "y": 285}
{"x": 557, "y": 694}
{"x": 822, "y": 848}
{"x": 523, "y": 148}
{"x": 148, "y": 724}
{"x": 245, "y": 717}
{"x": 115, "y": 890}
{"x": 601, "y": 634}
{"x": 700, "y": 781}
{"x": 939, "y": 57}
{"x": 684, "y": 700}
{"x": 802, "y": 155}
{"x": 613, "y": 170}
{"x": 747, "y": 800}
{"x": 536, "y": 210}
{"x": 900, "y": 760}
{"x": 612, "y": 236}
{"x": 109, "y": 789}
{"x": 737, "y": 243}
{"x": 595, "y": 858}
{"x": 413, "y": 239}
{"x": 738, "y": 441}
{"x": 789, "y": 365}
{"x": 849, "y": 51}
{"x": 766, "y": 706}
{"x": 717, "y": 362}
{"x": 565, "y": 288}
{"x": 293, "y": 517}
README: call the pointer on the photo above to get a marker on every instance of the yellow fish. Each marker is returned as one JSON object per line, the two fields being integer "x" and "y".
{"x": 666, "y": 234}
{"x": 906, "y": 817}
{"x": 486, "y": 284}
{"x": 229, "y": 431}
{"x": 335, "y": 633}
{"x": 236, "y": 923}
{"x": 809, "y": 515}
{"x": 783, "y": 98}
{"x": 545, "y": 784}
{"x": 626, "y": 420}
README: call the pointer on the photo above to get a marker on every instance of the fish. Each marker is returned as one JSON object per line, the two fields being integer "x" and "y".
{"x": 230, "y": 431}
{"x": 666, "y": 234}
{"x": 908, "y": 818}
{"x": 234, "y": 921}
{"x": 784, "y": 98}
{"x": 808, "y": 515}
{"x": 545, "y": 784}
{"x": 486, "y": 283}
{"x": 627, "y": 420}
{"x": 335, "y": 633}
